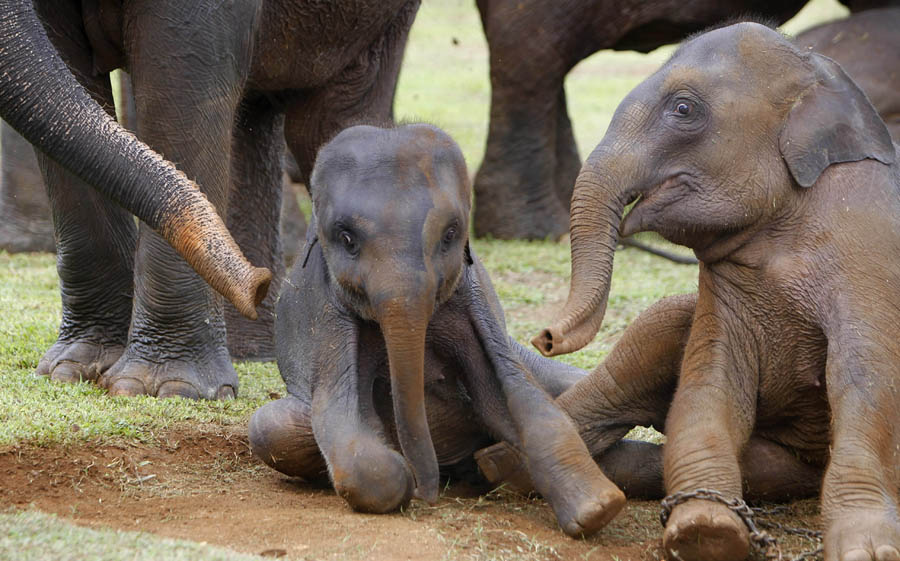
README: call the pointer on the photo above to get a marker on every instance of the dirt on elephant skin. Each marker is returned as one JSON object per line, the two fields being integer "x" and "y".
{"x": 205, "y": 486}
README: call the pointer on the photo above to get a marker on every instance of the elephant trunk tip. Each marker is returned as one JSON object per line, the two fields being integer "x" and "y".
{"x": 553, "y": 341}
{"x": 248, "y": 295}
{"x": 543, "y": 342}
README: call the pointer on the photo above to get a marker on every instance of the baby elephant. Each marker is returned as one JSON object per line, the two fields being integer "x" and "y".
{"x": 393, "y": 346}
{"x": 772, "y": 165}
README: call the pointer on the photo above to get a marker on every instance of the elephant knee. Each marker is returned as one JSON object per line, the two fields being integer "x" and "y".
{"x": 281, "y": 436}
{"x": 376, "y": 482}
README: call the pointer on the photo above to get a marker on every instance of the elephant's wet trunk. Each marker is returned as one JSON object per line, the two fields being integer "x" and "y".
{"x": 597, "y": 206}
{"x": 40, "y": 98}
{"x": 404, "y": 334}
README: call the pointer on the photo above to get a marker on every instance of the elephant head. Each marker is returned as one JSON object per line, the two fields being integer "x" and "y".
{"x": 42, "y": 100}
{"x": 716, "y": 145}
{"x": 395, "y": 263}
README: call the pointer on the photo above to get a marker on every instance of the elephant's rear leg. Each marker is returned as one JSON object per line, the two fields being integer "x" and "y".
{"x": 254, "y": 209}
{"x": 770, "y": 472}
{"x": 188, "y": 80}
{"x": 25, "y": 223}
{"x": 281, "y": 435}
{"x": 95, "y": 238}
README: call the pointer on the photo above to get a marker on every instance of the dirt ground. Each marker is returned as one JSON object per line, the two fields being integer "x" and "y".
{"x": 205, "y": 486}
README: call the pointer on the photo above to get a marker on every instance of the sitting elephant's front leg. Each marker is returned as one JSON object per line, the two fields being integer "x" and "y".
{"x": 560, "y": 466}
{"x": 365, "y": 471}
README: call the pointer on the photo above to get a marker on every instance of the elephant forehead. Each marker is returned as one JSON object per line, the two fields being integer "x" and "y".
{"x": 746, "y": 53}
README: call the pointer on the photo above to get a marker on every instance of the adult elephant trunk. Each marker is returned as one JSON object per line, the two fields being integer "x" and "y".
{"x": 601, "y": 192}
{"x": 404, "y": 321}
{"x": 42, "y": 100}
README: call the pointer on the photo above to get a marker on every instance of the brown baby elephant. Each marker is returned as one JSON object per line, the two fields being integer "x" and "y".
{"x": 771, "y": 164}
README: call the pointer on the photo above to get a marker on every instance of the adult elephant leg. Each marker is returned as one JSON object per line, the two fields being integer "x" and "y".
{"x": 568, "y": 162}
{"x": 254, "y": 212}
{"x": 25, "y": 223}
{"x": 188, "y": 80}
{"x": 95, "y": 237}
{"x": 362, "y": 92}
{"x": 515, "y": 187}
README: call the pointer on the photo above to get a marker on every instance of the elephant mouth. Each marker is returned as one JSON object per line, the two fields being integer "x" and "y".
{"x": 650, "y": 203}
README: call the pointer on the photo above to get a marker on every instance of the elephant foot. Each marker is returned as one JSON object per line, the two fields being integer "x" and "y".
{"x": 502, "y": 464}
{"x": 705, "y": 531}
{"x": 863, "y": 536}
{"x": 37, "y": 236}
{"x": 132, "y": 374}
{"x": 78, "y": 360}
{"x": 508, "y": 219}
{"x": 281, "y": 435}
{"x": 372, "y": 478}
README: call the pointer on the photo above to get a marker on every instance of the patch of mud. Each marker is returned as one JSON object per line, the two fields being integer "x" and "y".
{"x": 205, "y": 486}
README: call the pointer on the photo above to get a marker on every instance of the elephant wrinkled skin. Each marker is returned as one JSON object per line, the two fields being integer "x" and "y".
{"x": 771, "y": 164}
{"x": 393, "y": 345}
{"x": 220, "y": 88}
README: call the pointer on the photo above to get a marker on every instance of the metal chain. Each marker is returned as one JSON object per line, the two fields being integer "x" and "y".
{"x": 760, "y": 539}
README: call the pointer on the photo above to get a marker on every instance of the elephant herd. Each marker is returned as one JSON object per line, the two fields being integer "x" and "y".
{"x": 777, "y": 380}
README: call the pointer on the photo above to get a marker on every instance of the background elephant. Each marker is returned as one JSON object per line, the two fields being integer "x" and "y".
{"x": 771, "y": 164}
{"x": 218, "y": 94}
{"x": 867, "y": 46}
{"x": 524, "y": 184}
{"x": 47, "y": 105}
{"x": 390, "y": 336}
{"x": 25, "y": 223}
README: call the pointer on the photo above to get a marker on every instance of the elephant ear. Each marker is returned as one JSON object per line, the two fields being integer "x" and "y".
{"x": 312, "y": 236}
{"x": 832, "y": 122}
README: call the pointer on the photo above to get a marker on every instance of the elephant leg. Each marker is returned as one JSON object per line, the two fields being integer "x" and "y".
{"x": 363, "y": 92}
{"x": 25, "y": 223}
{"x": 281, "y": 435}
{"x": 632, "y": 387}
{"x": 515, "y": 187}
{"x": 95, "y": 237}
{"x": 365, "y": 470}
{"x": 188, "y": 79}
{"x": 254, "y": 210}
{"x": 568, "y": 163}
{"x": 770, "y": 472}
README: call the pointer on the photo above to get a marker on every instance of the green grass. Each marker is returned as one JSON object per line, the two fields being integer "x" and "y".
{"x": 442, "y": 83}
{"x": 34, "y": 536}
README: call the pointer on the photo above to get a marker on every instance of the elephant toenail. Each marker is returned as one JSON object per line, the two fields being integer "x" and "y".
{"x": 176, "y": 388}
{"x": 225, "y": 392}
{"x": 127, "y": 387}
{"x": 857, "y": 555}
{"x": 887, "y": 553}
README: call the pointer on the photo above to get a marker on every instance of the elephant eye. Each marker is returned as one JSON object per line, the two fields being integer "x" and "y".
{"x": 683, "y": 108}
{"x": 349, "y": 242}
{"x": 449, "y": 235}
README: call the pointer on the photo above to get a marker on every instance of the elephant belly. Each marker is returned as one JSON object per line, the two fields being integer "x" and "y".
{"x": 456, "y": 430}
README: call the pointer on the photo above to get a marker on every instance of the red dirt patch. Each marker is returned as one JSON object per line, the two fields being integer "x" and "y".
{"x": 207, "y": 487}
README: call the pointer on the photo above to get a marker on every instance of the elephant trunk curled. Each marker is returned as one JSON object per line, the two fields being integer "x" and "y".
{"x": 41, "y": 99}
{"x": 404, "y": 323}
{"x": 598, "y": 203}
